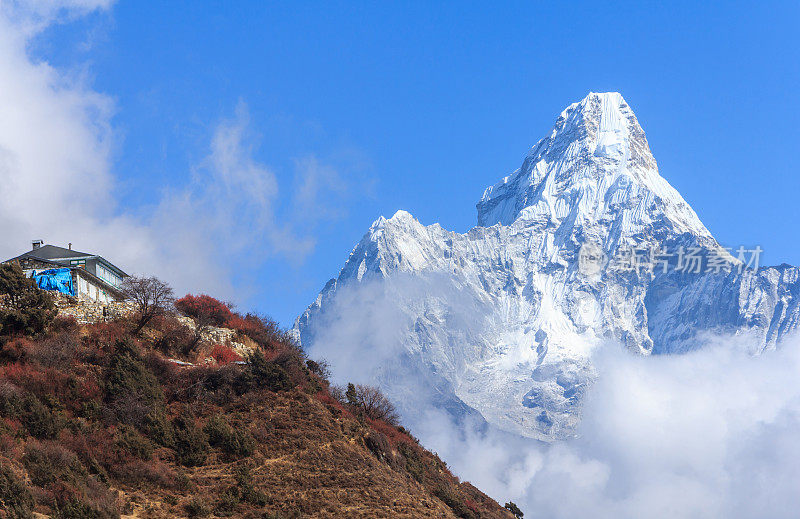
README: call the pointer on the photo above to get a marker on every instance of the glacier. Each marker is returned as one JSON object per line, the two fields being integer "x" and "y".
{"x": 501, "y": 322}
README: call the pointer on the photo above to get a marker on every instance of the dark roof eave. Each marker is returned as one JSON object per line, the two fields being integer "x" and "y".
{"x": 101, "y": 258}
{"x": 66, "y": 260}
{"x": 49, "y": 261}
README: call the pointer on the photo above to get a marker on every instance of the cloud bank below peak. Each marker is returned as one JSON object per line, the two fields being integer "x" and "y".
{"x": 706, "y": 434}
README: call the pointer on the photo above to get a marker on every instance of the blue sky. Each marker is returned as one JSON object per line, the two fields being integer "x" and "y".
{"x": 420, "y": 105}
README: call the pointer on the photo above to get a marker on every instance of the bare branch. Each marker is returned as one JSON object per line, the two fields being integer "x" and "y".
{"x": 372, "y": 402}
{"x": 151, "y": 296}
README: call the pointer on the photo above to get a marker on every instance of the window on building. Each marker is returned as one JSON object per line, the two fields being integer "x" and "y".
{"x": 108, "y": 275}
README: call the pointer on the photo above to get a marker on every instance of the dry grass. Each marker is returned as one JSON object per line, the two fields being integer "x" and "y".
{"x": 314, "y": 457}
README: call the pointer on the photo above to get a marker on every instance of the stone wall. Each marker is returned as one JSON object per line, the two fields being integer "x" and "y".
{"x": 90, "y": 312}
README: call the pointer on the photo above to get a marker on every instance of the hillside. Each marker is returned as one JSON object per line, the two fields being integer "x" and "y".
{"x": 101, "y": 420}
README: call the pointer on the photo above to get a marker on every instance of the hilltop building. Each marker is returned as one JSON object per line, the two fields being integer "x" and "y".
{"x": 79, "y": 274}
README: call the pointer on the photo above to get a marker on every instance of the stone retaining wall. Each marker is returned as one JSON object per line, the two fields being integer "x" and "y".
{"x": 90, "y": 312}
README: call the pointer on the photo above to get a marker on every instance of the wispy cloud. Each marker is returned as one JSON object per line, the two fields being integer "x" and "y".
{"x": 54, "y": 144}
{"x": 57, "y": 178}
{"x": 315, "y": 182}
{"x": 30, "y": 17}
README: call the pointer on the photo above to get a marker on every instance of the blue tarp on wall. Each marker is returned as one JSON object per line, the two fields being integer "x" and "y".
{"x": 59, "y": 280}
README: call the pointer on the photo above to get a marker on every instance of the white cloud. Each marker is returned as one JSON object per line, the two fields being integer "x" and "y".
{"x": 707, "y": 434}
{"x": 698, "y": 435}
{"x": 54, "y": 147}
{"x": 710, "y": 434}
{"x": 225, "y": 218}
{"x": 57, "y": 181}
{"x": 32, "y": 16}
{"x": 315, "y": 182}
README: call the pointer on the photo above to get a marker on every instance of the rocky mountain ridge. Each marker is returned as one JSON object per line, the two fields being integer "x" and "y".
{"x": 584, "y": 244}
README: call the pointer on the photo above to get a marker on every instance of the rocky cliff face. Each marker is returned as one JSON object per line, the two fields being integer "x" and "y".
{"x": 584, "y": 243}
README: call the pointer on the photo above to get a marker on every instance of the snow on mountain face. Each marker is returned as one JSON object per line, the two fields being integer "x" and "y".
{"x": 595, "y": 164}
{"x": 503, "y": 320}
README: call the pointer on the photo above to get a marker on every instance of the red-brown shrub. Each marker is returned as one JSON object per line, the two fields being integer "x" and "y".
{"x": 291, "y": 361}
{"x": 224, "y": 354}
{"x": 80, "y": 393}
{"x": 67, "y": 482}
{"x": 333, "y": 404}
{"x": 162, "y": 368}
{"x": 41, "y": 382}
{"x": 262, "y": 330}
{"x": 64, "y": 324}
{"x": 56, "y": 351}
{"x": 205, "y": 309}
{"x": 102, "y": 336}
{"x": 9, "y": 445}
{"x": 391, "y": 432}
{"x": 91, "y": 446}
{"x": 176, "y": 338}
{"x": 218, "y": 384}
{"x": 15, "y": 349}
{"x": 249, "y": 325}
{"x": 370, "y": 401}
{"x": 138, "y": 472}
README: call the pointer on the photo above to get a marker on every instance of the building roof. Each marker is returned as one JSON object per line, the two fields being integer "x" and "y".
{"x": 51, "y": 252}
{"x": 60, "y": 255}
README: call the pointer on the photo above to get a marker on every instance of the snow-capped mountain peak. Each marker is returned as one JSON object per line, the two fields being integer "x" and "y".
{"x": 502, "y": 320}
{"x": 594, "y": 166}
